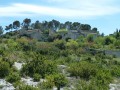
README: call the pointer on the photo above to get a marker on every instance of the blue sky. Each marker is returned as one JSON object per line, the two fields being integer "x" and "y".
{"x": 103, "y": 14}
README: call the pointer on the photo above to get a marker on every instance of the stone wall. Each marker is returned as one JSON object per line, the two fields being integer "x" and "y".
{"x": 36, "y": 34}
{"x": 111, "y": 52}
{"x": 107, "y": 52}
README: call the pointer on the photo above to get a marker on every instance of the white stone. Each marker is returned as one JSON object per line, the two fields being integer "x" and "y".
{"x": 6, "y": 85}
{"x": 114, "y": 86}
{"x": 29, "y": 81}
{"x": 18, "y": 65}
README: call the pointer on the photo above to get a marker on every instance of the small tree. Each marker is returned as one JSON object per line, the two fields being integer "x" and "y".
{"x": 85, "y": 27}
{"x": 108, "y": 40}
{"x": 36, "y": 77}
{"x": 26, "y": 23}
{"x": 37, "y": 25}
{"x": 71, "y": 44}
{"x": 13, "y": 77}
{"x": 83, "y": 70}
{"x": 10, "y": 26}
{"x": 59, "y": 81}
{"x": 16, "y": 24}
{"x": 4, "y": 69}
{"x": 60, "y": 44}
{"x": 94, "y": 29}
{"x": 117, "y": 44}
{"x": 1, "y": 30}
{"x": 7, "y": 28}
{"x": 39, "y": 66}
{"x": 27, "y": 87}
{"x": 90, "y": 38}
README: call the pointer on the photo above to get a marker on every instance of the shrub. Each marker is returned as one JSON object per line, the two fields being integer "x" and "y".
{"x": 26, "y": 87}
{"x": 4, "y": 69}
{"x": 40, "y": 66}
{"x": 83, "y": 70}
{"x": 36, "y": 77}
{"x": 57, "y": 80}
{"x": 13, "y": 77}
{"x": 115, "y": 71}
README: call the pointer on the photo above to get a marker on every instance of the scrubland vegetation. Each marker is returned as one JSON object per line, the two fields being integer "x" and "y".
{"x": 84, "y": 69}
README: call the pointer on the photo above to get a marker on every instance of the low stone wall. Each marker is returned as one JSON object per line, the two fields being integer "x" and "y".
{"x": 111, "y": 52}
{"x": 107, "y": 52}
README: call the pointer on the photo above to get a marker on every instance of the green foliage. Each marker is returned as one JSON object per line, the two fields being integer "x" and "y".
{"x": 117, "y": 44}
{"x": 85, "y": 85}
{"x": 37, "y": 25}
{"x": 13, "y": 77}
{"x": 84, "y": 58}
{"x": 4, "y": 69}
{"x": 115, "y": 70}
{"x": 48, "y": 49}
{"x": 36, "y": 77}
{"x": 117, "y": 34}
{"x": 51, "y": 38}
{"x": 48, "y": 84}
{"x": 26, "y": 23}
{"x": 1, "y": 30}
{"x": 60, "y": 44}
{"x": 94, "y": 29}
{"x": 46, "y": 31}
{"x": 44, "y": 67}
{"x": 62, "y": 31}
{"x": 90, "y": 38}
{"x": 26, "y": 87}
{"x": 108, "y": 40}
{"x": 58, "y": 80}
{"x": 99, "y": 82}
{"x": 71, "y": 44}
{"x": 85, "y": 27}
{"x": 103, "y": 78}
{"x": 91, "y": 85}
{"x": 83, "y": 70}
{"x": 100, "y": 42}
{"x": 16, "y": 24}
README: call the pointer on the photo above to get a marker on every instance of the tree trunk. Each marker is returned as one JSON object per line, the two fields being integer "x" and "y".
{"x": 58, "y": 88}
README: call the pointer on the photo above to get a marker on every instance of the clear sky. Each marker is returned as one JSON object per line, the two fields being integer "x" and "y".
{"x": 103, "y": 14}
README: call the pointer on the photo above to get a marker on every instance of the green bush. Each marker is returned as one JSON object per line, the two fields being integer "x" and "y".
{"x": 58, "y": 80}
{"x": 40, "y": 66}
{"x": 103, "y": 79}
{"x": 115, "y": 71}
{"x": 83, "y": 70}
{"x": 13, "y": 77}
{"x": 27, "y": 87}
{"x": 4, "y": 69}
{"x": 36, "y": 77}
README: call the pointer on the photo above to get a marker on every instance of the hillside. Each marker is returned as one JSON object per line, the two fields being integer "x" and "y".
{"x": 66, "y": 59}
